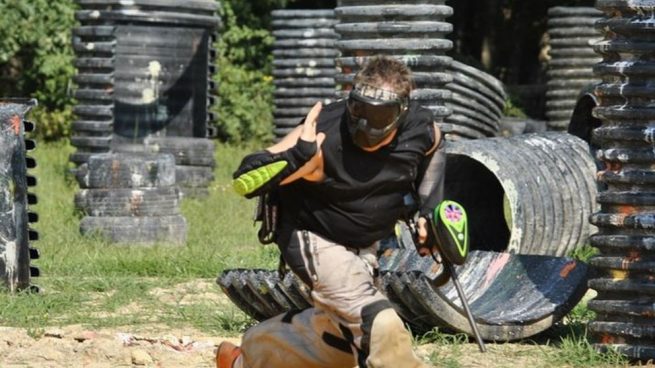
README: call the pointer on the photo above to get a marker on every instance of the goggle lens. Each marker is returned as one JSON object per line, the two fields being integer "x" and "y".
{"x": 378, "y": 117}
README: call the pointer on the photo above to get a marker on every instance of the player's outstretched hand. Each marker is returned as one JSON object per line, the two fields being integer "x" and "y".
{"x": 308, "y": 133}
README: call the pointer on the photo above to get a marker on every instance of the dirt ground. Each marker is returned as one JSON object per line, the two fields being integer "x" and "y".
{"x": 157, "y": 346}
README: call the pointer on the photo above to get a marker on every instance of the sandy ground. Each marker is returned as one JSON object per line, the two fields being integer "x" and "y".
{"x": 76, "y": 346}
{"x": 158, "y": 346}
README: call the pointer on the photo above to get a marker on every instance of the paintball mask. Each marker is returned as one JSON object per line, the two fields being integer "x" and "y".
{"x": 373, "y": 113}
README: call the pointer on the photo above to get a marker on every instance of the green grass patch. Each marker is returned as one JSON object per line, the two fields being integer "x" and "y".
{"x": 87, "y": 279}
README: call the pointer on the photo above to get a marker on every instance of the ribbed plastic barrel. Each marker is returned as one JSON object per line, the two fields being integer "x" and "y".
{"x": 413, "y": 31}
{"x": 303, "y": 64}
{"x": 15, "y": 199}
{"x": 477, "y": 100}
{"x": 572, "y": 57}
{"x": 143, "y": 68}
{"x": 625, "y": 304}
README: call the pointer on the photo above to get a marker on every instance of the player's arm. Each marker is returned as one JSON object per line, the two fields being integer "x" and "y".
{"x": 430, "y": 185}
{"x": 291, "y": 158}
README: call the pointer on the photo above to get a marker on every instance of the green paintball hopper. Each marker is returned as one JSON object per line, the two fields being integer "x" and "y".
{"x": 449, "y": 224}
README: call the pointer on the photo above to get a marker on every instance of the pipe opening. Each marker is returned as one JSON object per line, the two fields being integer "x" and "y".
{"x": 582, "y": 121}
{"x": 475, "y": 187}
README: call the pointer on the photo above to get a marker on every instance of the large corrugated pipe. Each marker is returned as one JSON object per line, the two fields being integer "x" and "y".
{"x": 304, "y": 67}
{"x": 15, "y": 233}
{"x": 529, "y": 194}
{"x": 572, "y": 34}
{"x": 143, "y": 68}
{"x": 625, "y": 304}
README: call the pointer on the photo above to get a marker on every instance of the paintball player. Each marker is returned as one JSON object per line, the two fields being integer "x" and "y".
{"x": 341, "y": 178}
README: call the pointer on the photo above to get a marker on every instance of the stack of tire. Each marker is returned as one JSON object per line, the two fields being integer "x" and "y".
{"x": 194, "y": 160}
{"x": 413, "y": 31}
{"x": 94, "y": 46}
{"x": 572, "y": 35}
{"x": 303, "y": 64}
{"x": 131, "y": 198}
{"x": 624, "y": 306}
{"x": 477, "y": 101}
{"x": 16, "y": 235}
{"x": 144, "y": 68}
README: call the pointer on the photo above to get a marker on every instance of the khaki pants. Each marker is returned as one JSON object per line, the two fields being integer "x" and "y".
{"x": 352, "y": 323}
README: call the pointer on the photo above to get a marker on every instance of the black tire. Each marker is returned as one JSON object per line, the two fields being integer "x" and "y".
{"x": 579, "y": 73}
{"x": 415, "y": 62}
{"x": 573, "y": 32}
{"x": 121, "y": 170}
{"x": 186, "y": 150}
{"x": 93, "y": 126}
{"x": 142, "y": 202}
{"x": 89, "y": 94}
{"x": 301, "y": 102}
{"x": 574, "y": 42}
{"x": 577, "y": 52}
{"x": 98, "y": 112}
{"x": 91, "y": 142}
{"x": 94, "y": 63}
{"x": 15, "y": 216}
{"x": 302, "y": 13}
{"x": 302, "y": 33}
{"x": 304, "y": 83}
{"x": 304, "y": 43}
{"x": 304, "y": 72}
{"x": 406, "y": 45}
{"x": 493, "y": 83}
{"x": 291, "y": 23}
{"x": 426, "y": 29}
{"x": 137, "y": 230}
{"x": 573, "y": 22}
{"x": 286, "y": 62}
{"x": 194, "y": 176}
{"x": 479, "y": 98}
{"x": 348, "y": 14}
{"x": 282, "y": 92}
{"x": 306, "y": 53}
{"x": 574, "y": 11}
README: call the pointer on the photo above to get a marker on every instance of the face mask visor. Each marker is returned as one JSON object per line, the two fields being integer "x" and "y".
{"x": 373, "y": 114}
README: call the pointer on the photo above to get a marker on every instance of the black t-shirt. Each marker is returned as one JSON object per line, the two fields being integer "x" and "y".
{"x": 361, "y": 198}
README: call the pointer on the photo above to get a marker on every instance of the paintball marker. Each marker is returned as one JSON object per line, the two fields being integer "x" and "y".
{"x": 448, "y": 233}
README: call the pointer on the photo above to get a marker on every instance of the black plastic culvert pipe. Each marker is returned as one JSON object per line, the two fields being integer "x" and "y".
{"x": 529, "y": 194}
{"x": 144, "y": 67}
{"x": 624, "y": 305}
{"x": 15, "y": 232}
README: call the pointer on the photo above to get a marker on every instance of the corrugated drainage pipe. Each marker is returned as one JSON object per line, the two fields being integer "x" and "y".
{"x": 625, "y": 304}
{"x": 15, "y": 233}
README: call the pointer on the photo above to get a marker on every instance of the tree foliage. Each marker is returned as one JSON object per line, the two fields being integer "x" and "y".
{"x": 36, "y": 58}
{"x": 245, "y": 87}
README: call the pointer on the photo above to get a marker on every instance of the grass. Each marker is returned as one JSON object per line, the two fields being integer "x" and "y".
{"x": 89, "y": 281}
